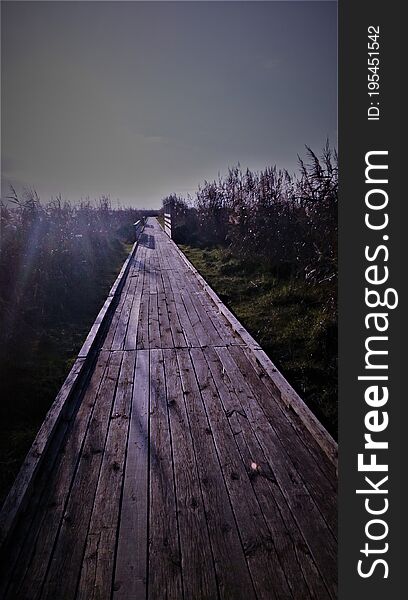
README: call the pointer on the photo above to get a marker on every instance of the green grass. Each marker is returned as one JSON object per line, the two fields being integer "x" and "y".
{"x": 291, "y": 319}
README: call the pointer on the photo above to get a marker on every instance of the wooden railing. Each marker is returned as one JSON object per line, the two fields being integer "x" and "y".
{"x": 167, "y": 223}
{"x": 138, "y": 228}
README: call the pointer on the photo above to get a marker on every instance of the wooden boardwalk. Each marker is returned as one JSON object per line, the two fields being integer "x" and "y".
{"x": 180, "y": 469}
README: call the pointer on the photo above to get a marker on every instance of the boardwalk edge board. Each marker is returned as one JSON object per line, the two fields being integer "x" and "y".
{"x": 289, "y": 396}
{"x": 19, "y": 494}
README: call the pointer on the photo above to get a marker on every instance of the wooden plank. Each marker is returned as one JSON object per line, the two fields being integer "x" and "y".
{"x": 263, "y": 561}
{"x": 322, "y": 460}
{"x": 194, "y": 293}
{"x": 197, "y": 324}
{"x": 206, "y": 305}
{"x": 98, "y": 561}
{"x": 199, "y": 580}
{"x": 164, "y": 550}
{"x": 219, "y": 321}
{"x": 234, "y": 579}
{"x": 206, "y": 332}
{"x": 195, "y": 321}
{"x": 163, "y": 252}
{"x": 179, "y": 313}
{"x": 166, "y": 337}
{"x": 123, "y": 321}
{"x": 108, "y": 341}
{"x": 131, "y": 333}
{"x": 320, "y": 488}
{"x": 300, "y": 568}
{"x": 31, "y": 568}
{"x": 131, "y": 559}
{"x": 143, "y": 328}
{"x": 307, "y": 515}
{"x": 187, "y": 282}
{"x": 65, "y": 564}
{"x": 177, "y": 331}
{"x": 224, "y": 329}
{"x": 180, "y": 286}
{"x": 154, "y": 329}
{"x": 213, "y": 337}
{"x": 166, "y": 331}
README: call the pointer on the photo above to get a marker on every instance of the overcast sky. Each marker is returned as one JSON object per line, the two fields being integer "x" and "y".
{"x": 142, "y": 99}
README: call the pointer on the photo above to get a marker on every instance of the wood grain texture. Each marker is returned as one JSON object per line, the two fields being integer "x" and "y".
{"x": 263, "y": 561}
{"x": 234, "y": 578}
{"x": 196, "y": 557}
{"x": 98, "y": 559}
{"x": 67, "y": 557}
{"x": 130, "y": 579}
{"x": 164, "y": 569}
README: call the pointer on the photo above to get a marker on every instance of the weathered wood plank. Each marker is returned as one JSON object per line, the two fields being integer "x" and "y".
{"x": 206, "y": 333}
{"x": 299, "y": 566}
{"x": 153, "y": 319}
{"x": 118, "y": 341}
{"x": 195, "y": 321}
{"x": 316, "y": 482}
{"x": 231, "y": 566}
{"x": 143, "y": 328}
{"x": 166, "y": 337}
{"x": 210, "y": 308}
{"x": 131, "y": 333}
{"x": 179, "y": 322}
{"x": 66, "y": 561}
{"x": 314, "y": 528}
{"x": 98, "y": 561}
{"x": 178, "y": 314}
{"x": 165, "y": 580}
{"x": 175, "y": 320}
{"x": 199, "y": 580}
{"x": 259, "y": 547}
{"x": 131, "y": 558}
{"x": 108, "y": 341}
{"x": 162, "y": 251}
{"x": 321, "y": 458}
